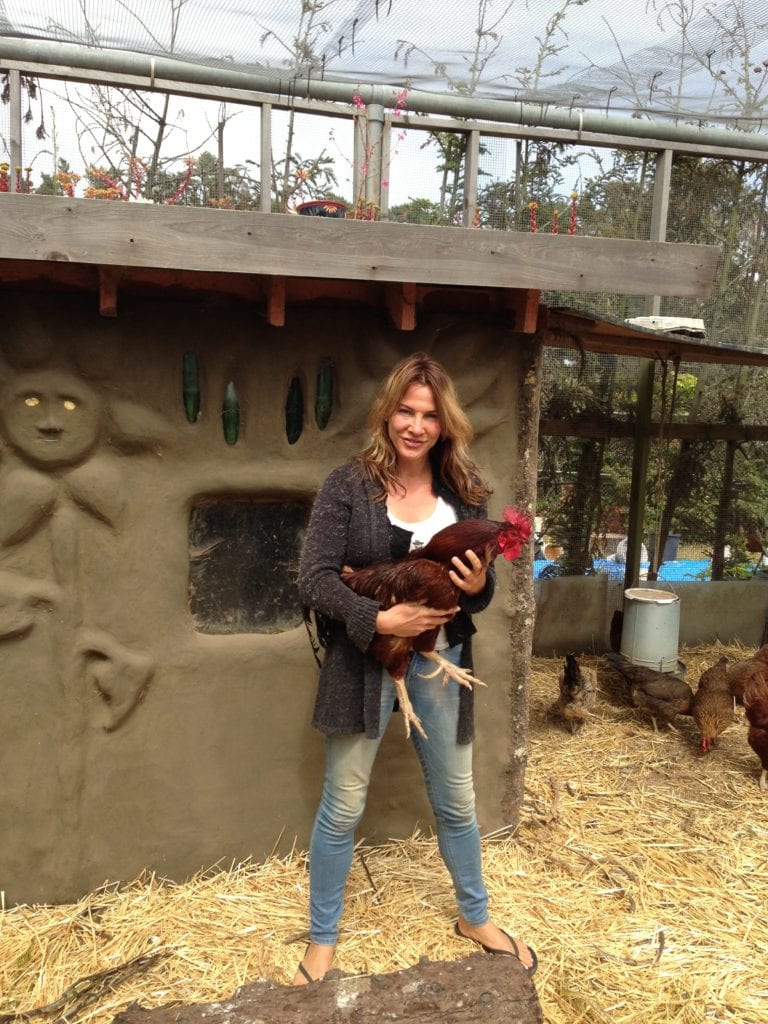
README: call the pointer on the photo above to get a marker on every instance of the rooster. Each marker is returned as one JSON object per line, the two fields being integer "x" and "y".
{"x": 421, "y": 577}
{"x": 578, "y": 693}
{"x": 756, "y": 708}
{"x": 663, "y": 696}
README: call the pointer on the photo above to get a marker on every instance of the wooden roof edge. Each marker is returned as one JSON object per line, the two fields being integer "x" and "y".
{"x": 251, "y": 242}
{"x": 275, "y": 293}
{"x": 570, "y": 328}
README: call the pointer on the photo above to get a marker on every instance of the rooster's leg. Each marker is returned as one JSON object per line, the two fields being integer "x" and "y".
{"x": 409, "y": 715}
{"x": 763, "y": 783}
{"x": 450, "y": 671}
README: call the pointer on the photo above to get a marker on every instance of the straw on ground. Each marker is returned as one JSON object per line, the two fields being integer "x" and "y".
{"x": 639, "y": 873}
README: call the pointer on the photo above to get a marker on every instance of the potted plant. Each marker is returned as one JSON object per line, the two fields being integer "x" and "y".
{"x": 322, "y": 208}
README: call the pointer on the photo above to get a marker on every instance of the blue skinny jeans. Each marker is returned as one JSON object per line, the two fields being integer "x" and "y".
{"x": 447, "y": 768}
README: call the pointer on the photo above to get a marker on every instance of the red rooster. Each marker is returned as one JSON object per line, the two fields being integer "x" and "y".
{"x": 756, "y": 708}
{"x": 422, "y": 577}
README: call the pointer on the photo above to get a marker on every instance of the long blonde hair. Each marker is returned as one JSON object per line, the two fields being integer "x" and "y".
{"x": 450, "y": 456}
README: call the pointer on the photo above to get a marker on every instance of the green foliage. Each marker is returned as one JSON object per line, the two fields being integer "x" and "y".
{"x": 308, "y": 178}
{"x": 539, "y": 178}
{"x": 50, "y": 184}
{"x": 738, "y": 565}
{"x": 417, "y": 211}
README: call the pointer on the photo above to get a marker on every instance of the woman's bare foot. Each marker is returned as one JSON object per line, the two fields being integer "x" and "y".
{"x": 316, "y": 962}
{"x": 491, "y": 936}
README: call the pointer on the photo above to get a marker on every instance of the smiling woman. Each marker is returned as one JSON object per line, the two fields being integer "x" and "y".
{"x": 390, "y": 614}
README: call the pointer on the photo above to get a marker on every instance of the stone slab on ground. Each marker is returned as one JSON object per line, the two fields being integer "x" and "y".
{"x": 480, "y": 987}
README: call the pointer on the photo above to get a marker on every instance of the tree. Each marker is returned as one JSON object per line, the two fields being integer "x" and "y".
{"x": 135, "y": 137}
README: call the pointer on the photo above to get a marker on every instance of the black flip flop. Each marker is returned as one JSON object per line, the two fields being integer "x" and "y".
{"x": 530, "y": 971}
{"x": 303, "y": 970}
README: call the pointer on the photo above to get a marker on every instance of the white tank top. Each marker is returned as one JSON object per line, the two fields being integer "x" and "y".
{"x": 422, "y": 532}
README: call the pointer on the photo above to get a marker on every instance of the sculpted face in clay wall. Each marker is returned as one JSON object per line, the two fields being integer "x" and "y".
{"x": 50, "y": 417}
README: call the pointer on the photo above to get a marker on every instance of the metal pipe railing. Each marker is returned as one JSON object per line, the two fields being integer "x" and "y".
{"x": 62, "y": 60}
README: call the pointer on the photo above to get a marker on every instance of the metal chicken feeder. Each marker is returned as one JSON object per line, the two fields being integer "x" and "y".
{"x": 651, "y": 628}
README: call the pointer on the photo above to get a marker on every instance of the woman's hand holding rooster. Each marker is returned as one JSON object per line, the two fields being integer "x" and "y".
{"x": 411, "y": 619}
{"x": 468, "y": 575}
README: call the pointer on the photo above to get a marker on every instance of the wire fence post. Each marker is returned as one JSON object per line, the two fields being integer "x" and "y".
{"x": 265, "y": 158}
{"x": 657, "y": 233}
{"x": 373, "y": 158}
{"x": 14, "y": 85}
{"x": 471, "y": 165}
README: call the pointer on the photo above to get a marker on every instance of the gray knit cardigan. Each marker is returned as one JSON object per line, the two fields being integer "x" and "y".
{"x": 348, "y": 526}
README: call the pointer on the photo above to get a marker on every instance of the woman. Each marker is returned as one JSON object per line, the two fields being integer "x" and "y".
{"x": 414, "y": 477}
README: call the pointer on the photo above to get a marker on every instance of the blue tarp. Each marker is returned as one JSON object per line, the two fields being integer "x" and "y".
{"x": 683, "y": 570}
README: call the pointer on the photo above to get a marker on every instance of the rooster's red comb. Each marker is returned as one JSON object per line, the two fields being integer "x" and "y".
{"x": 513, "y": 537}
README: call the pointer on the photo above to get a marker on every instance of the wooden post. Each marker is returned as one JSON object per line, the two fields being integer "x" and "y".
{"x": 527, "y": 400}
{"x": 401, "y": 303}
{"x": 276, "y": 302}
{"x": 109, "y": 279}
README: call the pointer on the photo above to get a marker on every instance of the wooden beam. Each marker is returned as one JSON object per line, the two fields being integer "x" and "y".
{"x": 401, "y": 303}
{"x": 586, "y": 333}
{"x": 677, "y": 431}
{"x": 276, "y": 302}
{"x": 586, "y": 428}
{"x": 37, "y": 274}
{"x": 109, "y": 279}
{"x": 135, "y": 235}
{"x": 524, "y": 304}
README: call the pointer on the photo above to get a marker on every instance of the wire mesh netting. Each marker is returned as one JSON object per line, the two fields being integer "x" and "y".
{"x": 706, "y": 496}
{"x": 696, "y": 65}
{"x": 666, "y": 58}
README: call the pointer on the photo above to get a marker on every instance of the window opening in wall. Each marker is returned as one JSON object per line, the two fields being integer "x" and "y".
{"x": 243, "y": 564}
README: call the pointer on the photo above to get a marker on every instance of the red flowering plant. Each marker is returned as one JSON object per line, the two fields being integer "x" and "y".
{"x": 22, "y": 179}
{"x": 106, "y": 185}
{"x": 99, "y": 183}
{"x": 363, "y": 207}
{"x": 554, "y": 229}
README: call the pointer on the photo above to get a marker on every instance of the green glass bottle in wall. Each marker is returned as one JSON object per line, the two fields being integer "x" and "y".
{"x": 324, "y": 394}
{"x": 294, "y": 411}
{"x": 190, "y": 386}
{"x": 230, "y": 414}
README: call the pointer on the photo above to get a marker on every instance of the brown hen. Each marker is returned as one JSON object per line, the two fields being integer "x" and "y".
{"x": 578, "y": 693}
{"x": 662, "y": 696}
{"x": 421, "y": 577}
{"x": 712, "y": 708}
{"x": 747, "y": 671}
{"x": 756, "y": 709}
{"x": 715, "y": 677}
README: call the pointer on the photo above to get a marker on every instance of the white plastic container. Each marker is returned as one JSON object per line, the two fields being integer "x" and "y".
{"x": 651, "y": 628}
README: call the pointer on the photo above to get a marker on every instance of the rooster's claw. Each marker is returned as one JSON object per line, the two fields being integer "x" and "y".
{"x": 450, "y": 671}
